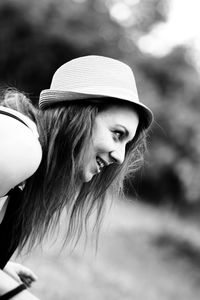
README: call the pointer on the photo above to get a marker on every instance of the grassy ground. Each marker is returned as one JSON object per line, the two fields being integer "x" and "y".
{"x": 144, "y": 254}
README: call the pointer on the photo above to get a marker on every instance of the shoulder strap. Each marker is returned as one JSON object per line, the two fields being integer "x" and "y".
{"x": 12, "y": 116}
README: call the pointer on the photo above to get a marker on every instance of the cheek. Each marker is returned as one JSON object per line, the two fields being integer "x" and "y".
{"x": 103, "y": 144}
{"x": 102, "y": 139}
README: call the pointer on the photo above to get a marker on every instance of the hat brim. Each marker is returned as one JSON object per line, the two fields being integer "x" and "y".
{"x": 52, "y": 97}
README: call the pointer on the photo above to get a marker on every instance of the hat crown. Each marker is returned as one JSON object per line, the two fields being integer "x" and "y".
{"x": 91, "y": 73}
{"x": 95, "y": 77}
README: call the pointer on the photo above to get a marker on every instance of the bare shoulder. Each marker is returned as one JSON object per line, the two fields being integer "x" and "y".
{"x": 20, "y": 153}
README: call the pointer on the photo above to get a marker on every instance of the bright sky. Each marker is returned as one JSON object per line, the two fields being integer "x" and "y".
{"x": 182, "y": 27}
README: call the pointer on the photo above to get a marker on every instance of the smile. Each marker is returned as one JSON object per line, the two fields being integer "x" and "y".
{"x": 101, "y": 163}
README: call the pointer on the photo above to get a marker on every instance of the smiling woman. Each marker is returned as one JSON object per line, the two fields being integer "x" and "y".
{"x": 113, "y": 128}
{"x": 86, "y": 136}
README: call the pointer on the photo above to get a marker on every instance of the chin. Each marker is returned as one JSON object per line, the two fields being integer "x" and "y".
{"x": 86, "y": 177}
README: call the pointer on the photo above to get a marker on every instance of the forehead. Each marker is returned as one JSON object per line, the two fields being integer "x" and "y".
{"x": 119, "y": 115}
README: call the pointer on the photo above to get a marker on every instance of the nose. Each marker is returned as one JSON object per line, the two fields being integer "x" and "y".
{"x": 118, "y": 155}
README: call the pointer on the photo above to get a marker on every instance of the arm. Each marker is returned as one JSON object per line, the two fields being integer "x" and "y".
{"x": 20, "y": 153}
{"x": 7, "y": 284}
{"x": 20, "y": 273}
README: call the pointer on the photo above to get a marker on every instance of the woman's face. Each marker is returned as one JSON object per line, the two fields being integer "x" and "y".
{"x": 113, "y": 129}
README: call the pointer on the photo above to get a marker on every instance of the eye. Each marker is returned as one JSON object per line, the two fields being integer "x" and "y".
{"x": 118, "y": 135}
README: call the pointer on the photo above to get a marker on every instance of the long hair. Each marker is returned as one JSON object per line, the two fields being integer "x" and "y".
{"x": 64, "y": 133}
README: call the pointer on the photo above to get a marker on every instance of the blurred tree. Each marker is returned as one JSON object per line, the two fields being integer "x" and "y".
{"x": 175, "y": 150}
{"x": 38, "y": 36}
{"x": 138, "y": 16}
{"x": 28, "y": 54}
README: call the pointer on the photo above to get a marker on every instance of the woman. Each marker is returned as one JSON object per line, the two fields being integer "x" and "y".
{"x": 86, "y": 137}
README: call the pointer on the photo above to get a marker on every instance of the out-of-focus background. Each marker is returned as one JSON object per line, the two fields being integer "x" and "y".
{"x": 149, "y": 246}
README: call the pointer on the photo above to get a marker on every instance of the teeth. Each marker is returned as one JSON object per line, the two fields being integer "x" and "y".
{"x": 100, "y": 162}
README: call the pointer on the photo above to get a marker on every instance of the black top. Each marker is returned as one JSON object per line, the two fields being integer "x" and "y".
{"x": 8, "y": 241}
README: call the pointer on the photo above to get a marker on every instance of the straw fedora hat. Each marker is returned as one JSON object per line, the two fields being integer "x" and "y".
{"x": 97, "y": 79}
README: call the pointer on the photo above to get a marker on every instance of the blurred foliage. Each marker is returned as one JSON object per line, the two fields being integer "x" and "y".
{"x": 173, "y": 87}
{"x": 38, "y": 36}
{"x": 142, "y": 15}
{"x": 28, "y": 53}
